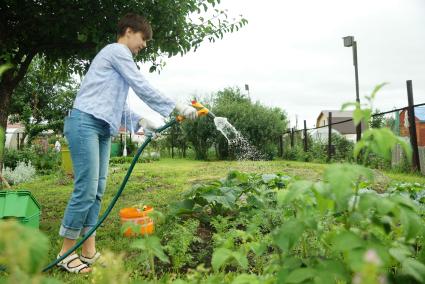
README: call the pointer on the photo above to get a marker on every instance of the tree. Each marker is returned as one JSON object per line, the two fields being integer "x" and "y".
{"x": 42, "y": 98}
{"x": 175, "y": 138}
{"x": 200, "y": 133}
{"x": 73, "y": 31}
{"x": 377, "y": 121}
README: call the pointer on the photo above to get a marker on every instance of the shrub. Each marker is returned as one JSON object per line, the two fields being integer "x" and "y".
{"x": 44, "y": 160}
{"x": 23, "y": 172}
{"x": 13, "y": 156}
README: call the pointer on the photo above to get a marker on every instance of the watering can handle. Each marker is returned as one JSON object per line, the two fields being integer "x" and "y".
{"x": 202, "y": 111}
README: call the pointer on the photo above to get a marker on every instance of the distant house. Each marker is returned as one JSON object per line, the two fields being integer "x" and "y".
{"x": 346, "y": 129}
{"x": 419, "y": 121}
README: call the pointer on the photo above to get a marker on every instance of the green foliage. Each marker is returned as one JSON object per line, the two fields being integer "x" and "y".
{"x": 175, "y": 138}
{"x": 381, "y": 142}
{"x": 23, "y": 252}
{"x": 150, "y": 247}
{"x": 221, "y": 256}
{"x": 43, "y": 97}
{"x": 2, "y": 140}
{"x": 176, "y": 31}
{"x": 324, "y": 232}
{"x": 45, "y": 160}
{"x": 200, "y": 133}
{"x": 4, "y": 68}
{"x": 112, "y": 271}
{"x": 318, "y": 150}
{"x": 363, "y": 112}
{"x": 377, "y": 121}
{"x": 179, "y": 238}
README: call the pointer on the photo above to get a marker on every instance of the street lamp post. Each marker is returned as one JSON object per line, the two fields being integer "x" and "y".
{"x": 247, "y": 89}
{"x": 348, "y": 42}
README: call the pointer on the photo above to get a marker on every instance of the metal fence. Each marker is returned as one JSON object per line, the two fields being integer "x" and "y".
{"x": 306, "y": 138}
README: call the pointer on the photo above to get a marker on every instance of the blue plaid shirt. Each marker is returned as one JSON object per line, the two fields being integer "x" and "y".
{"x": 104, "y": 89}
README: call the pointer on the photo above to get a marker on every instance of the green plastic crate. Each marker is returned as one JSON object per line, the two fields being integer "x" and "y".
{"x": 20, "y": 205}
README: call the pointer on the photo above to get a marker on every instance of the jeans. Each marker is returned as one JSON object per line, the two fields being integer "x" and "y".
{"x": 89, "y": 141}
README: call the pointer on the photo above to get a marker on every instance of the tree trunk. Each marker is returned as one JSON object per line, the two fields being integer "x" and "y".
{"x": 5, "y": 95}
{"x": 8, "y": 83}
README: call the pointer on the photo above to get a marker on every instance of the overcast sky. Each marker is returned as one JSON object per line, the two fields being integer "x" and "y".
{"x": 291, "y": 55}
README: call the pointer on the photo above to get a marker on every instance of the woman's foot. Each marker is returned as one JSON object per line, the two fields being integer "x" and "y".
{"x": 73, "y": 264}
{"x": 91, "y": 258}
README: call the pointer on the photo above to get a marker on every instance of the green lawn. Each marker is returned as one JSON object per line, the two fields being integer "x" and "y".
{"x": 158, "y": 184}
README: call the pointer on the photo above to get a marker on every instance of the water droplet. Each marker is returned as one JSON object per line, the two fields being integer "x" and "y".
{"x": 238, "y": 144}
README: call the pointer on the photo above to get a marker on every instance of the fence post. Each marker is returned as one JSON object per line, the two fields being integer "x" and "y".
{"x": 412, "y": 127}
{"x": 329, "y": 136}
{"x": 281, "y": 145}
{"x": 292, "y": 137}
{"x": 305, "y": 137}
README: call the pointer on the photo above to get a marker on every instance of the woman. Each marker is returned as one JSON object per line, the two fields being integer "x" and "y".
{"x": 96, "y": 115}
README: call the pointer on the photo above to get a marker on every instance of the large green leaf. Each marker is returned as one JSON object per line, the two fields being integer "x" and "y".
{"x": 346, "y": 241}
{"x": 223, "y": 256}
{"x": 295, "y": 191}
{"x": 411, "y": 222}
{"x": 151, "y": 245}
{"x": 400, "y": 253}
{"x": 300, "y": 275}
{"x": 414, "y": 268}
{"x": 246, "y": 279}
{"x": 288, "y": 234}
{"x": 342, "y": 179}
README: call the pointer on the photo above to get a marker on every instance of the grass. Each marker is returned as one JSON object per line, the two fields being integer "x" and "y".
{"x": 158, "y": 184}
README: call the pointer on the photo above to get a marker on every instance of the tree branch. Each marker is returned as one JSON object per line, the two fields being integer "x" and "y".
{"x": 23, "y": 67}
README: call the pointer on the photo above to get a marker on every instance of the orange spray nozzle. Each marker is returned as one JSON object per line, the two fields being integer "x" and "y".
{"x": 202, "y": 111}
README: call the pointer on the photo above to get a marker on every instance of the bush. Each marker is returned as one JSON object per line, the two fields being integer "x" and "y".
{"x": 45, "y": 161}
{"x": 13, "y": 156}
{"x": 23, "y": 172}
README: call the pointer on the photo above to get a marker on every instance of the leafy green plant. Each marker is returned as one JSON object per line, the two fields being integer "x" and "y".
{"x": 23, "y": 252}
{"x": 379, "y": 141}
{"x": 178, "y": 239}
{"x": 151, "y": 247}
{"x": 111, "y": 270}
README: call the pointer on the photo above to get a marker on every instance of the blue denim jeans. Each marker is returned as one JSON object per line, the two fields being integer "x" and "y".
{"x": 89, "y": 141}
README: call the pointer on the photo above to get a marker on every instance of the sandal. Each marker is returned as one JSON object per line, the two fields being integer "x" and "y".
{"x": 64, "y": 264}
{"x": 90, "y": 260}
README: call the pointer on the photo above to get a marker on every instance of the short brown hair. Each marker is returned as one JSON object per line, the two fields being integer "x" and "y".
{"x": 135, "y": 22}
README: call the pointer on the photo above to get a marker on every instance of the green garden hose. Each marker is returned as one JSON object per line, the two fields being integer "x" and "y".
{"x": 114, "y": 200}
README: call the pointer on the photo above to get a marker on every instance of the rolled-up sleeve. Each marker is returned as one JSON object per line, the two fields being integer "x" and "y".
{"x": 123, "y": 62}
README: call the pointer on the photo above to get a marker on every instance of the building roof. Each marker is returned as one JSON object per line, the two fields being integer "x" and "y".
{"x": 336, "y": 113}
{"x": 14, "y": 125}
{"x": 347, "y": 127}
